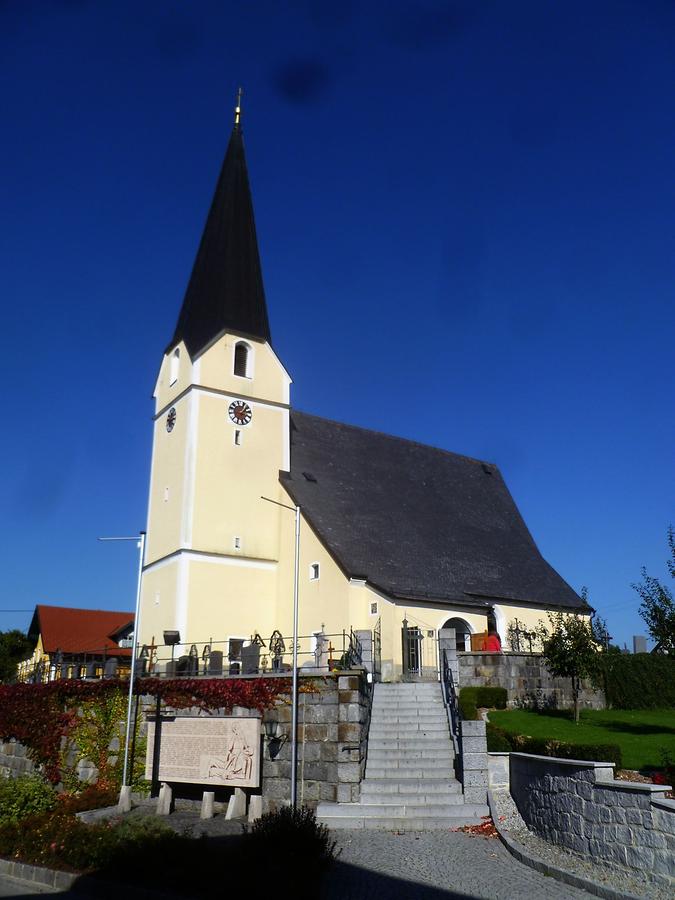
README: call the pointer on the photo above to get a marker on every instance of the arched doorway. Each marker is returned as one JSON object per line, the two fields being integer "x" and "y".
{"x": 462, "y": 632}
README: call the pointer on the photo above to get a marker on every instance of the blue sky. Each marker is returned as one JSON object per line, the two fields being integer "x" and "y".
{"x": 465, "y": 215}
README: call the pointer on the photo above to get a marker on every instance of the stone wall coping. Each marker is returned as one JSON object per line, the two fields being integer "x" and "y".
{"x": 668, "y": 805}
{"x": 501, "y": 753}
{"x": 638, "y": 786}
{"x": 574, "y": 763}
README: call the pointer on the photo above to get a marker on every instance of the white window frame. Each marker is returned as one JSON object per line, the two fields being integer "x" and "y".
{"x": 314, "y": 571}
{"x": 174, "y": 369}
{"x": 376, "y": 604}
{"x": 249, "y": 360}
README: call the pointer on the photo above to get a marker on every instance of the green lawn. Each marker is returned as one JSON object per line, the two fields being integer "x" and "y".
{"x": 642, "y": 734}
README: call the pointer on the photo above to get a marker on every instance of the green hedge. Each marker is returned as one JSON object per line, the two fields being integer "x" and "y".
{"x": 638, "y": 680}
{"x": 500, "y": 741}
{"x": 471, "y": 698}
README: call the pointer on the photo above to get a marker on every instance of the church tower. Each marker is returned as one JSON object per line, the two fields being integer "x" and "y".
{"x": 221, "y": 437}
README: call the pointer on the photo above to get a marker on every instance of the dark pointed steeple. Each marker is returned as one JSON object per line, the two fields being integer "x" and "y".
{"x": 226, "y": 291}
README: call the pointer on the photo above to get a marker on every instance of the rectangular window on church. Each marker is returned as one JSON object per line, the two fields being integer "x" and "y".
{"x": 314, "y": 572}
{"x": 374, "y": 608}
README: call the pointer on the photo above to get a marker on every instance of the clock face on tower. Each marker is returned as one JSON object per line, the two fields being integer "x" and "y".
{"x": 171, "y": 419}
{"x": 240, "y": 412}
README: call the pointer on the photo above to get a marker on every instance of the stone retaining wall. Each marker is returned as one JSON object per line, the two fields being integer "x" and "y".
{"x": 526, "y": 679}
{"x": 580, "y": 806}
{"x": 333, "y": 720}
{"x": 14, "y": 761}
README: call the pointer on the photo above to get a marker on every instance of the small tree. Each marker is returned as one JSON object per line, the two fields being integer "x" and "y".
{"x": 14, "y": 648}
{"x": 657, "y": 607}
{"x": 570, "y": 649}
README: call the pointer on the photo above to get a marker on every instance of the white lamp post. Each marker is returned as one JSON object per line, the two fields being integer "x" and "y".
{"x": 294, "y": 689}
{"x": 137, "y": 621}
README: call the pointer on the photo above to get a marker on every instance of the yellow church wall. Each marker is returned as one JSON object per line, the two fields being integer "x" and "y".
{"x": 230, "y": 599}
{"x": 230, "y": 480}
{"x": 165, "y": 391}
{"x": 158, "y": 601}
{"x": 323, "y": 601}
{"x": 215, "y": 369}
{"x": 169, "y": 470}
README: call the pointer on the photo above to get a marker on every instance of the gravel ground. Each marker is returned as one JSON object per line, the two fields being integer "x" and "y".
{"x": 611, "y": 877}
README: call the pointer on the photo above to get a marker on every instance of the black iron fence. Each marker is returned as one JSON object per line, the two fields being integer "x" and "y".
{"x": 319, "y": 652}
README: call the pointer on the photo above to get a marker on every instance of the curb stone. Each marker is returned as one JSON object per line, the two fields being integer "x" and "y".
{"x": 65, "y": 881}
{"x": 525, "y": 856}
{"x": 38, "y": 874}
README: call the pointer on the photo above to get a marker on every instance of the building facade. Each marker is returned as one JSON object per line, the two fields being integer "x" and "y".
{"x": 391, "y": 531}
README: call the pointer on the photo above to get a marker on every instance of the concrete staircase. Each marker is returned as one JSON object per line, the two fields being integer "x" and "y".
{"x": 410, "y": 781}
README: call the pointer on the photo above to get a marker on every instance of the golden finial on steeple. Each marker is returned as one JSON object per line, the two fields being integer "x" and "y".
{"x": 237, "y": 109}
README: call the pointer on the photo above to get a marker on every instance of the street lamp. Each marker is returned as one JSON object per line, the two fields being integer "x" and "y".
{"x": 137, "y": 621}
{"x": 294, "y": 689}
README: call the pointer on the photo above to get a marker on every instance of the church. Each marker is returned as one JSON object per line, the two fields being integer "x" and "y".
{"x": 393, "y": 534}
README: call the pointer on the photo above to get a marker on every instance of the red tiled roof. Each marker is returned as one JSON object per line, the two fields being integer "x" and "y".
{"x": 79, "y": 630}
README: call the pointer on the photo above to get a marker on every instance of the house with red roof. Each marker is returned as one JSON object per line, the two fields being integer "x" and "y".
{"x": 78, "y": 643}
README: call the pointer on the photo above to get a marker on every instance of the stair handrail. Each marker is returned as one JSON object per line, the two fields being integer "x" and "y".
{"x": 451, "y": 704}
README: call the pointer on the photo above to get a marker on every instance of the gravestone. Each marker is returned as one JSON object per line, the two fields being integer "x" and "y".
{"x": 216, "y": 662}
{"x": 110, "y": 670}
{"x": 250, "y": 659}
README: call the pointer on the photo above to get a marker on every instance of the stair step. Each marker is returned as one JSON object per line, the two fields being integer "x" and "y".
{"x": 412, "y": 755}
{"x": 422, "y": 786}
{"x": 425, "y": 771}
{"x": 465, "y": 815}
{"x": 413, "y": 802}
{"x": 408, "y": 727}
{"x": 423, "y": 742}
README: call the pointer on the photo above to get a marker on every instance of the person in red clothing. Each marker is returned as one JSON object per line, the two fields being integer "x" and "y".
{"x": 493, "y": 643}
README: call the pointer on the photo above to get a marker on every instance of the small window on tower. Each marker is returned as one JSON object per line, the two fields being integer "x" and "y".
{"x": 374, "y": 608}
{"x": 314, "y": 572}
{"x": 242, "y": 354}
{"x": 237, "y": 543}
{"x": 175, "y": 363}
{"x": 237, "y": 437}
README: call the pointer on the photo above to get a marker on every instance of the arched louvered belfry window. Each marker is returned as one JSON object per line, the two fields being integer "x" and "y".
{"x": 242, "y": 353}
{"x": 175, "y": 364}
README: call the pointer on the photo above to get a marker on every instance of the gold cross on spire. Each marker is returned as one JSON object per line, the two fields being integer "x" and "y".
{"x": 237, "y": 109}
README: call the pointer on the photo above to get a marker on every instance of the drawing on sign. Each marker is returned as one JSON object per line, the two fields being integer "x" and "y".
{"x": 235, "y": 764}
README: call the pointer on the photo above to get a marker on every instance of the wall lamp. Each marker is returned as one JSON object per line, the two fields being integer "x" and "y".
{"x": 275, "y": 741}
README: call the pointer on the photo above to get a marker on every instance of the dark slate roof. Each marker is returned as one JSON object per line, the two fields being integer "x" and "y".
{"x": 415, "y": 521}
{"x": 226, "y": 291}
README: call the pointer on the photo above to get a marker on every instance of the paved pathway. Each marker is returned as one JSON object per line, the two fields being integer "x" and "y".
{"x": 380, "y": 865}
{"x": 435, "y": 866}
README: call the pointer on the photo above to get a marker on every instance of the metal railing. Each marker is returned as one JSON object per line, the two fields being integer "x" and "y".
{"x": 452, "y": 707}
{"x": 318, "y": 652}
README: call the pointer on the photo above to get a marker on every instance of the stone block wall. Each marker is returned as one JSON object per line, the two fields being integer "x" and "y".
{"x": 526, "y": 679}
{"x": 580, "y": 806}
{"x": 333, "y": 720}
{"x": 14, "y": 760}
{"x": 474, "y": 762}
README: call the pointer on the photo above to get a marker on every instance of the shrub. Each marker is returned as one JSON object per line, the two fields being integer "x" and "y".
{"x": 24, "y": 796}
{"x": 93, "y": 796}
{"x": 638, "y": 680}
{"x": 497, "y": 739}
{"x": 289, "y": 835}
{"x": 470, "y": 698}
{"x": 59, "y": 840}
{"x": 500, "y": 741}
